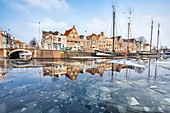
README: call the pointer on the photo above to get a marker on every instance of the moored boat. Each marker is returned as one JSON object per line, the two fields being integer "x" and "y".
{"x": 25, "y": 56}
{"x": 167, "y": 52}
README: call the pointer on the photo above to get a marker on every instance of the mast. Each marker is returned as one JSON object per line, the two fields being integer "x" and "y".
{"x": 151, "y": 36}
{"x": 114, "y": 11}
{"x": 128, "y": 30}
{"x": 158, "y": 37}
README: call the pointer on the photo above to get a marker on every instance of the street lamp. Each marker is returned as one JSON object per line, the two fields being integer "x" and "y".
{"x": 8, "y": 37}
{"x": 39, "y": 35}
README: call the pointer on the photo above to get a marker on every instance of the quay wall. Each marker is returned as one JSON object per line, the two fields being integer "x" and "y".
{"x": 46, "y": 54}
{"x": 59, "y": 54}
{"x": 1, "y": 53}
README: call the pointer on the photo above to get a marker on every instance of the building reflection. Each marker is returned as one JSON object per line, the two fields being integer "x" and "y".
{"x": 72, "y": 69}
{"x": 4, "y": 70}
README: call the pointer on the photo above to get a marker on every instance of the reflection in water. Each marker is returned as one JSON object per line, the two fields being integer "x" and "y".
{"x": 71, "y": 69}
{"x": 46, "y": 86}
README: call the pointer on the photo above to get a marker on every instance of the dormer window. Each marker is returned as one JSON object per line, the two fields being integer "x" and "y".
{"x": 71, "y": 36}
{"x": 74, "y": 32}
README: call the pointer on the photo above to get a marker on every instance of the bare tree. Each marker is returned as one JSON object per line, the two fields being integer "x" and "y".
{"x": 141, "y": 40}
{"x": 33, "y": 43}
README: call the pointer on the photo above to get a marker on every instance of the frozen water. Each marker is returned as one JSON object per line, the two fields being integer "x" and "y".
{"x": 88, "y": 86}
{"x": 132, "y": 101}
{"x": 23, "y": 109}
{"x": 146, "y": 109}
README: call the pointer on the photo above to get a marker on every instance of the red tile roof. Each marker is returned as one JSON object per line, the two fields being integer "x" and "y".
{"x": 67, "y": 32}
{"x": 17, "y": 41}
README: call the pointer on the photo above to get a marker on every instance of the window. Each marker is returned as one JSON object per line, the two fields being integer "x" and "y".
{"x": 59, "y": 39}
{"x": 69, "y": 40}
{"x": 74, "y": 32}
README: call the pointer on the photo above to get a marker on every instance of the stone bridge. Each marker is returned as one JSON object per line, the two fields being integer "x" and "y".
{"x": 38, "y": 53}
{"x": 14, "y": 52}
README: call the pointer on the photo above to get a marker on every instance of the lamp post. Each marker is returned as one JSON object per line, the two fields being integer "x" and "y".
{"x": 8, "y": 36}
{"x": 39, "y": 35}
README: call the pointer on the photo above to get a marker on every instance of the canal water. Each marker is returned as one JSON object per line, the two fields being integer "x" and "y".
{"x": 89, "y": 85}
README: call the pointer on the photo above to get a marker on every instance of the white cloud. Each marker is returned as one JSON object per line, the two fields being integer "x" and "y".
{"x": 43, "y": 4}
{"x": 46, "y": 24}
{"x": 16, "y": 5}
{"x": 49, "y": 24}
{"x": 47, "y": 4}
{"x": 97, "y": 25}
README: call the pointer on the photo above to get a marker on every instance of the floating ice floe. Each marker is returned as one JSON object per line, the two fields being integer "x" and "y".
{"x": 151, "y": 91}
{"x": 55, "y": 100}
{"x": 123, "y": 62}
{"x": 166, "y": 101}
{"x": 146, "y": 109}
{"x": 153, "y": 87}
{"x": 160, "y": 109}
{"x": 105, "y": 89}
{"x": 160, "y": 91}
{"x": 23, "y": 109}
{"x": 47, "y": 97}
{"x": 163, "y": 83}
{"x": 132, "y": 101}
{"x": 102, "y": 107}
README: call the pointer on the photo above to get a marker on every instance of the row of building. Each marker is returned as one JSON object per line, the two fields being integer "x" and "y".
{"x": 71, "y": 40}
{"x": 8, "y": 41}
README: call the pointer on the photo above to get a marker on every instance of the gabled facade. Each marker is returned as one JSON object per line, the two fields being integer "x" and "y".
{"x": 73, "y": 39}
{"x": 3, "y": 40}
{"x": 101, "y": 41}
{"x": 118, "y": 44}
{"x": 132, "y": 45}
{"x": 55, "y": 41}
{"x": 83, "y": 42}
{"x": 146, "y": 47}
{"x": 109, "y": 44}
{"x": 17, "y": 44}
{"x": 92, "y": 42}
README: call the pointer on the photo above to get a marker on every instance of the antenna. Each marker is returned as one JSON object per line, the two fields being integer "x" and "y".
{"x": 151, "y": 35}
{"x": 114, "y": 11}
{"x": 128, "y": 29}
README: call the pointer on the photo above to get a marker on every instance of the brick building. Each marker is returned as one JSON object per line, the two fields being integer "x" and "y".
{"x": 53, "y": 41}
{"x": 3, "y": 40}
{"x": 109, "y": 44}
{"x": 118, "y": 44}
{"x": 132, "y": 45}
{"x": 83, "y": 42}
{"x": 73, "y": 39}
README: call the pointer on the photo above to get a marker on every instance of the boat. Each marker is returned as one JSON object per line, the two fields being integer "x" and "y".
{"x": 25, "y": 56}
{"x": 113, "y": 53}
{"x": 167, "y": 52}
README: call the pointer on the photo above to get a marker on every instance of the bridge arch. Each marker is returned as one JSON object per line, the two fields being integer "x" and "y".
{"x": 14, "y": 54}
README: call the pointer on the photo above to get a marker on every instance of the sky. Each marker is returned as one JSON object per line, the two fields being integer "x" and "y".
{"x": 22, "y": 17}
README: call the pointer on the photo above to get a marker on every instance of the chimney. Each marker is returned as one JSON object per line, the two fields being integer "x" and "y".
{"x": 73, "y": 26}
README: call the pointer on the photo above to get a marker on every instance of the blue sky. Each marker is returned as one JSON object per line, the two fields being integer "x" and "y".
{"x": 93, "y": 16}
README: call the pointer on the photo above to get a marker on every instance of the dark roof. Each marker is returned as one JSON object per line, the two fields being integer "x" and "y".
{"x": 118, "y": 38}
{"x": 67, "y": 32}
{"x": 57, "y": 33}
{"x": 130, "y": 40}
